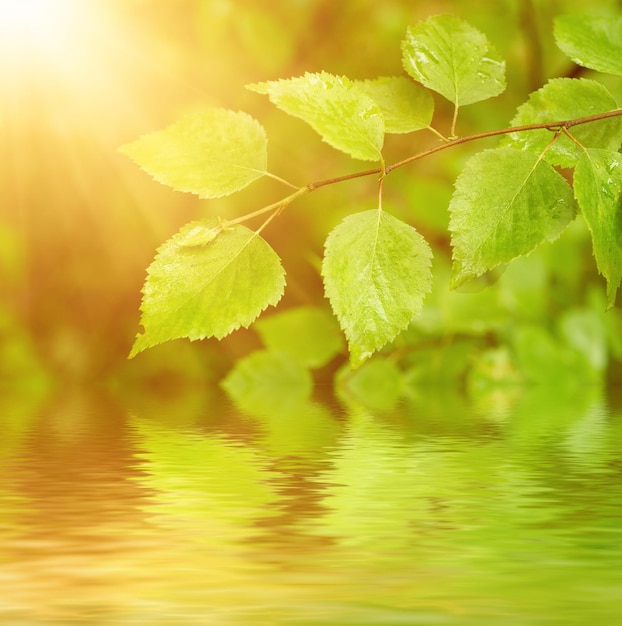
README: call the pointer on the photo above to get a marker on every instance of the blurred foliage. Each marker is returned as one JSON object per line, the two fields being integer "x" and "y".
{"x": 79, "y": 223}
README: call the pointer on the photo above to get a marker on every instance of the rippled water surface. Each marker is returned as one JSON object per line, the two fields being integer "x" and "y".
{"x": 182, "y": 509}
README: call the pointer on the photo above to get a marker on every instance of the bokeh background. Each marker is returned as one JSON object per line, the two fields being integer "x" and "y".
{"x": 79, "y": 222}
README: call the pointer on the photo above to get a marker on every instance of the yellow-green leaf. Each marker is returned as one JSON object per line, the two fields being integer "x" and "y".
{"x": 376, "y": 273}
{"x": 405, "y": 106}
{"x": 211, "y": 153}
{"x": 199, "y": 291}
{"x": 453, "y": 58}
{"x": 344, "y": 116}
{"x": 593, "y": 41}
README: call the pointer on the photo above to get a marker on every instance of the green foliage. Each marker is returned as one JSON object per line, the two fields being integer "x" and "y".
{"x": 454, "y": 59}
{"x": 376, "y": 272}
{"x": 212, "y": 153}
{"x": 506, "y": 203}
{"x": 592, "y": 41}
{"x": 186, "y": 281}
{"x": 510, "y": 202}
{"x": 405, "y": 107}
{"x": 342, "y": 114}
{"x": 598, "y": 188}
{"x": 567, "y": 99}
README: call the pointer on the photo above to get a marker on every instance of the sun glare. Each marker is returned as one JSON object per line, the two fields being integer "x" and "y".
{"x": 52, "y": 51}
{"x": 35, "y": 29}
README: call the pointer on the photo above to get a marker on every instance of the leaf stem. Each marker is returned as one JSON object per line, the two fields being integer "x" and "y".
{"x": 454, "y": 120}
{"x": 552, "y": 126}
{"x": 380, "y": 184}
{"x": 281, "y": 180}
{"x": 573, "y": 138}
{"x": 437, "y": 133}
{"x": 275, "y": 206}
{"x": 382, "y": 171}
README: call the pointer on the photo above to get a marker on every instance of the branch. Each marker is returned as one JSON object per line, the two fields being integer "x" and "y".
{"x": 552, "y": 126}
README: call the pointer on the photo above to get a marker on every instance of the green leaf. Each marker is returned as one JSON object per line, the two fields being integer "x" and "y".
{"x": 405, "y": 106}
{"x": 376, "y": 273}
{"x": 208, "y": 291}
{"x": 593, "y": 41}
{"x": 563, "y": 99}
{"x": 449, "y": 56}
{"x": 267, "y": 381}
{"x": 506, "y": 203}
{"x": 334, "y": 107}
{"x": 308, "y": 334}
{"x": 212, "y": 153}
{"x": 598, "y": 189}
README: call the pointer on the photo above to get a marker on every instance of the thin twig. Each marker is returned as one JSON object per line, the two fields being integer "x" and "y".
{"x": 275, "y": 206}
{"x": 557, "y": 127}
{"x": 552, "y": 126}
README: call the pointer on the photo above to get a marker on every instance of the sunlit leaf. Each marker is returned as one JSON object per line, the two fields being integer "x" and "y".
{"x": 210, "y": 290}
{"x": 593, "y": 41}
{"x": 266, "y": 381}
{"x": 563, "y": 99}
{"x": 598, "y": 189}
{"x": 405, "y": 106}
{"x": 309, "y": 334}
{"x": 334, "y": 107}
{"x": 449, "y": 56}
{"x": 506, "y": 203}
{"x": 211, "y": 153}
{"x": 376, "y": 273}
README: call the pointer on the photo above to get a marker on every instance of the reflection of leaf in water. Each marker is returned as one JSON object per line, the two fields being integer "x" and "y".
{"x": 546, "y": 413}
{"x": 275, "y": 387}
{"x": 587, "y": 440}
{"x": 209, "y": 486}
{"x": 302, "y": 428}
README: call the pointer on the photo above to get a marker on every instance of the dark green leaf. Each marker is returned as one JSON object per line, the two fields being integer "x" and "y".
{"x": 563, "y": 99}
{"x": 598, "y": 189}
{"x": 505, "y": 204}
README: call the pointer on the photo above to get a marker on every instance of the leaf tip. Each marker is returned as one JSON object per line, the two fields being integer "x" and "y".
{"x": 140, "y": 344}
{"x": 262, "y": 88}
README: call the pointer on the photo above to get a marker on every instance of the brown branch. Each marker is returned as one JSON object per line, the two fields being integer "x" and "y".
{"x": 563, "y": 125}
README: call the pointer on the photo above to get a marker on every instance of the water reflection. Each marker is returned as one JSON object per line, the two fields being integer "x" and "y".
{"x": 185, "y": 509}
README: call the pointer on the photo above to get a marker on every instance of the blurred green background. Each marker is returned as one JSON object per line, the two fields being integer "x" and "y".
{"x": 80, "y": 223}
